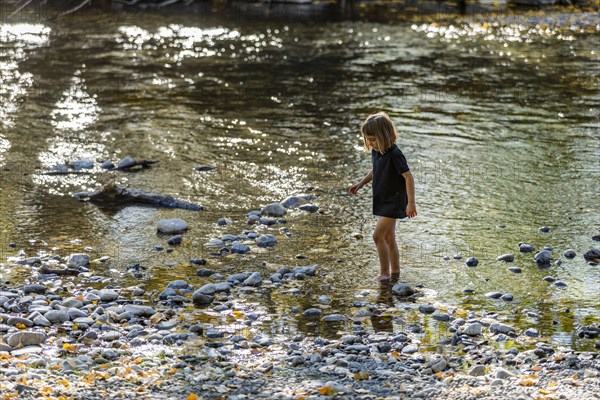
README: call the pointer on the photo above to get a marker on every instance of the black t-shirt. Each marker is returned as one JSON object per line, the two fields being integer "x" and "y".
{"x": 389, "y": 188}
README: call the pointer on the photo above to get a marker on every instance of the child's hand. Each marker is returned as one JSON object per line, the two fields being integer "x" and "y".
{"x": 355, "y": 188}
{"x": 411, "y": 210}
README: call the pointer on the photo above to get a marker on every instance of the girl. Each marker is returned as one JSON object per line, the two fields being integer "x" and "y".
{"x": 393, "y": 189}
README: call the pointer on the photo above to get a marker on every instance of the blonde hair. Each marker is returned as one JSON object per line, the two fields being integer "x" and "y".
{"x": 381, "y": 127}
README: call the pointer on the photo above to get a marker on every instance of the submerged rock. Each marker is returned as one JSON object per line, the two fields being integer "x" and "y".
{"x": 403, "y": 290}
{"x": 526, "y": 248}
{"x": 273, "y": 209}
{"x": 171, "y": 226}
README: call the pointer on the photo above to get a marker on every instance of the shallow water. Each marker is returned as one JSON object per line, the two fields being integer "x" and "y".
{"x": 499, "y": 122}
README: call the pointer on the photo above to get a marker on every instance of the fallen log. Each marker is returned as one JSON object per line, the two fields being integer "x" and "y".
{"x": 113, "y": 195}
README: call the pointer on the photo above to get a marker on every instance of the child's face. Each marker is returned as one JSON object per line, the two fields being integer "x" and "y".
{"x": 372, "y": 142}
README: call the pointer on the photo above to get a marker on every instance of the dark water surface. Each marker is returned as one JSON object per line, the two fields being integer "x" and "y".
{"x": 499, "y": 123}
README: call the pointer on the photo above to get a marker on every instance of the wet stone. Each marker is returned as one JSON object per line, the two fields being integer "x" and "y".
{"x": 56, "y": 316}
{"x": 532, "y": 332}
{"x": 14, "y": 321}
{"x": 312, "y": 312}
{"x": 175, "y": 240}
{"x": 507, "y": 297}
{"x": 107, "y": 295}
{"x": 493, "y": 295}
{"x": 334, "y": 317}
{"x": 569, "y": 253}
{"x": 427, "y": 309}
{"x": 471, "y": 262}
{"x": 526, "y": 248}
{"x": 403, "y": 290}
{"x": 506, "y": 257}
{"x": 501, "y": 328}
{"x": 34, "y": 288}
{"x": 515, "y": 270}
{"x": 171, "y": 226}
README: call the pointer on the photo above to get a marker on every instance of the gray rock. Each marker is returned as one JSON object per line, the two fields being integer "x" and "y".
{"x": 443, "y": 317}
{"x": 560, "y": 284}
{"x": 14, "y": 321}
{"x": 76, "y": 313}
{"x": 472, "y": 262}
{"x": 81, "y": 164}
{"x": 543, "y": 257}
{"x": 515, "y": 270}
{"x": 273, "y": 209}
{"x": 78, "y": 260}
{"x": 473, "y": 329}
{"x": 126, "y": 162}
{"x": 34, "y": 288}
{"x": 549, "y": 279}
{"x": 506, "y": 257}
{"x": 57, "y": 316}
{"x": 501, "y": 373}
{"x": 175, "y": 240}
{"x": 239, "y": 248}
{"x": 409, "y": 349}
{"x": 107, "y": 295}
{"x": 507, "y": 297}
{"x": 111, "y": 336}
{"x": 72, "y": 302}
{"x": 334, "y": 317}
{"x": 324, "y": 299}
{"x": 237, "y": 277}
{"x": 222, "y": 287}
{"x": 201, "y": 298}
{"x": 297, "y": 201}
{"x": 532, "y": 332}
{"x": 493, "y": 295}
{"x": 179, "y": 284}
{"x": 403, "y": 290}
{"x": 107, "y": 164}
{"x": 309, "y": 207}
{"x": 266, "y": 240}
{"x": 426, "y": 309}
{"x": 139, "y": 310}
{"x": 312, "y": 312}
{"x": 171, "y": 226}
{"x": 26, "y": 338}
{"x": 305, "y": 270}
{"x": 296, "y": 361}
{"x": 526, "y": 248}
{"x": 439, "y": 365}
{"x": 569, "y": 253}
{"x": 477, "y": 370}
{"x": 544, "y": 229}
{"x": 592, "y": 255}
{"x": 214, "y": 334}
{"x": 253, "y": 280}
{"x": 208, "y": 289}
{"x": 224, "y": 221}
{"x": 501, "y": 328}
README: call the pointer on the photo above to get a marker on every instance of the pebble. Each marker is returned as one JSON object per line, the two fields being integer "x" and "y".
{"x": 569, "y": 253}
{"x": 532, "y": 332}
{"x": 506, "y": 257}
{"x": 403, "y": 290}
{"x": 515, "y": 270}
{"x": 526, "y": 248}
{"x": 239, "y": 248}
{"x": 472, "y": 262}
{"x": 34, "y": 288}
{"x": 544, "y": 229}
{"x": 171, "y": 226}
{"x": 493, "y": 295}
{"x": 507, "y": 297}
{"x": 543, "y": 258}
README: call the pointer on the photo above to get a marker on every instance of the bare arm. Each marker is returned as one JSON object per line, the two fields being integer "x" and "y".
{"x": 411, "y": 208}
{"x": 368, "y": 178}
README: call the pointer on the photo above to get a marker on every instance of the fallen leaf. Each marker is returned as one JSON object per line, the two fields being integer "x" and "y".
{"x": 192, "y": 396}
{"x": 361, "y": 376}
{"x": 327, "y": 391}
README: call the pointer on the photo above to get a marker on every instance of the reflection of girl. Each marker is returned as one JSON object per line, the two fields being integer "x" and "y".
{"x": 384, "y": 323}
{"x": 393, "y": 189}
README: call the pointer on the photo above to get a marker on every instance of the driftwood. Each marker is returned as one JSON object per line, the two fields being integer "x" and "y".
{"x": 68, "y": 271}
{"x": 113, "y": 195}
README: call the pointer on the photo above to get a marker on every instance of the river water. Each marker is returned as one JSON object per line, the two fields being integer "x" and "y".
{"x": 498, "y": 119}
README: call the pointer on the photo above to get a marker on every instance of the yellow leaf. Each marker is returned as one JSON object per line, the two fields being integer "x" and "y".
{"x": 440, "y": 375}
{"x": 396, "y": 355}
{"x": 544, "y": 391}
{"x": 192, "y": 396}
{"x": 137, "y": 360}
{"x": 20, "y": 326}
{"x": 238, "y": 314}
{"x": 361, "y": 376}
{"x": 552, "y": 384}
{"x": 536, "y": 368}
{"x": 327, "y": 391}
{"x": 528, "y": 382}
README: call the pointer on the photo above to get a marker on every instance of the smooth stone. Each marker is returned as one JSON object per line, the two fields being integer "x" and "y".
{"x": 81, "y": 164}
{"x": 493, "y": 295}
{"x": 515, "y": 270}
{"x": 111, "y": 336}
{"x": 403, "y": 290}
{"x": 266, "y": 240}
{"x": 305, "y": 270}
{"x": 26, "y": 338}
{"x": 526, "y": 248}
{"x": 26, "y": 350}
{"x": 107, "y": 164}
{"x": 76, "y": 313}
{"x": 592, "y": 255}
{"x": 477, "y": 370}
{"x": 334, "y": 317}
{"x": 237, "y": 277}
{"x": 179, "y": 284}
{"x": 208, "y": 289}
{"x": 172, "y": 225}
{"x": 324, "y": 299}
{"x": 502, "y": 373}
{"x": 202, "y": 168}
{"x": 549, "y": 279}
{"x": 34, "y": 288}
{"x": 439, "y": 365}
{"x": 309, "y": 207}
{"x": 427, "y": 309}
{"x": 201, "y": 298}
{"x": 532, "y": 332}
{"x": 253, "y": 280}
{"x": 542, "y": 257}
{"x": 273, "y": 209}
{"x": 239, "y": 248}
{"x": 107, "y": 295}
{"x": 139, "y": 310}
{"x": 473, "y": 329}
{"x": 472, "y": 262}
{"x": 214, "y": 334}
{"x": 224, "y": 221}
{"x": 175, "y": 240}
{"x": 507, "y": 297}
{"x": 409, "y": 349}
{"x": 204, "y": 273}
{"x": 223, "y": 287}
{"x": 312, "y": 312}
{"x": 167, "y": 325}
{"x": 126, "y": 162}
{"x": 72, "y": 302}
{"x": 78, "y": 260}
{"x": 14, "y": 321}
{"x": 560, "y": 284}
{"x": 442, "y": 317}
{"x": 56, "y": 316}
{"x": 501, "y": 328}
{"x": 506, "y": 257}
{"x": 544, "y": 229}
{"x": 297, "y": 201}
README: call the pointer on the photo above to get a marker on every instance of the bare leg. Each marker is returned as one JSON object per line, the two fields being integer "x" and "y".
{"x": 394, "y": 254}
{"x": 383, "y": 235}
